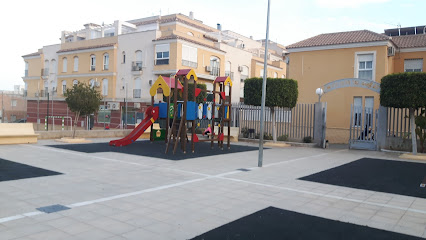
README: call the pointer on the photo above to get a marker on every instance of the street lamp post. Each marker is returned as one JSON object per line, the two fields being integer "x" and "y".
{"x": 319, "y": 92}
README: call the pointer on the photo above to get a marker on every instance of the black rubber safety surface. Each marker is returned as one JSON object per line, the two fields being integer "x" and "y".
{"x": 157, "y": 149}
{"x": 273, "y": 223}
{"x": 398, "y": 177}
{"x": 13, "y": 171}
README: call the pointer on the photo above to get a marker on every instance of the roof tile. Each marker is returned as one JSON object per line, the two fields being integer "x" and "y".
{"x": 410, "y": 41}
{"x": 340, "y": 38}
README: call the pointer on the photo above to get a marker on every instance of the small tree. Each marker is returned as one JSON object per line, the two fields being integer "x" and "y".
{"x": 280, "y": 92}
{"x": 82, "y": 100}
{"x": 404, "y": 90}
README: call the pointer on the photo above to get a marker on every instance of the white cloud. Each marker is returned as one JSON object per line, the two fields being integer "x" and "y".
{"x": 346, "y": 3}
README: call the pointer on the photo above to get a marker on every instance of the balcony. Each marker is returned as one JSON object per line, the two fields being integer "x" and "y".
{"x": 162, "y": 61}
{"x": 215, "y": 71}
{"x": 189, "y": 64}
{"x": 92, "y": 68}
{"x": 26, "y": 73}
{"x": 42, "y": 94}
{"x": 137, "y": 93}
{"x": 229, "y": 74}
{"x": 25, "y": 93}
{"x": 137, "y": 66}
{"x": 45, "y": 72}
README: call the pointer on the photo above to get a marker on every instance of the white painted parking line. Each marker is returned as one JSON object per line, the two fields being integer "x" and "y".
{"x": 326, "y": 195}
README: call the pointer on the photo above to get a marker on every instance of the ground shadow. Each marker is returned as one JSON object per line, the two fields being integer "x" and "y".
{"x": 13, "y": 171}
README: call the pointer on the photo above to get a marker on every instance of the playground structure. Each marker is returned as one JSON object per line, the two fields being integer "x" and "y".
{"x": 184, "y": 113}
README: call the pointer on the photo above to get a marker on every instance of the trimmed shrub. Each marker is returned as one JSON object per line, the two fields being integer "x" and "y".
{"x": 403, "y": 90}
{"x": 307, "y": 139}
{"x": 280, "y": 92}
{"x": 283, "y": 138}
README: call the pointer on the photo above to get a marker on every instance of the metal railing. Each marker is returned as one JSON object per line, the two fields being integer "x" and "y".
{"x": 137, "y": 93}
{"x": 295, "y": 123}
{"x": 45, "y": 72}
{"x": 398, "y": 122}
{"x": 137, "y": 66}
{"x": 92, "y": 68}
{"x": 161, "y": 61}
{"x": 215, "y": 71}
{"x": 189, "y": 63}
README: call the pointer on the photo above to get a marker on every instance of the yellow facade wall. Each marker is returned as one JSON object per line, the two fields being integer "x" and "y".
{"x": 84, "y": 62}
{"x": 314, "y": 69}
{"x": 86, "y": 80}
{"x": 401, "y": 56}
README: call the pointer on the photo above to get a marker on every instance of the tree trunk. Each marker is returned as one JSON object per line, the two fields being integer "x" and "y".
{"x": 413, "y": 131}
{"x": 77, "y": 116}
{"x": 274, "y": 132}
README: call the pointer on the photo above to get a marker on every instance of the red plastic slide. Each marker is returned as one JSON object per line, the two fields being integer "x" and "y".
{"x": 151, "y": 116}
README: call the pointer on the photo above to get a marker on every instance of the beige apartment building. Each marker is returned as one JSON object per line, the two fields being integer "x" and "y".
{"x": 348, "y": 66}
{"x": 123, "y": 59}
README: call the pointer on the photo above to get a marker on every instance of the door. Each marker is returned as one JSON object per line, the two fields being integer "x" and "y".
{"x": 363, "y": 126}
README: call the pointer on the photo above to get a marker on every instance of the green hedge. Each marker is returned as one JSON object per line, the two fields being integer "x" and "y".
{"x": 403, "y": 90}
{"x": 280, "y": 92}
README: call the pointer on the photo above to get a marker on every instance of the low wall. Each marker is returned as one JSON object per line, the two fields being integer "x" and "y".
{"x": 400, "y": 144}
{"x": 84, "y": 134}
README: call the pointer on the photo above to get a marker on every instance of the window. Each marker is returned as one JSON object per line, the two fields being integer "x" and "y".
{"x": 137, "y": 89}
{"x": 275, "y": 75}
{"x": 106, "y": 61}
{"x": 215, "y": 66}
{"x": 261, "y": 72}
{"x": 64, "y": 86}
{"x": 105, "y": 87}
{"x": 357, "y": 111}
{"x": 413, "y": 65}
{"x": 228, "y": 72}
{"x": 190, "y": 33}
{"x": 162, "y": 54}
{"x": 92, "y": 63}
{"x": 75, "y": 82}
{"x": 365, "y": 66}
{"x": 283, "y": 76}
{"x": 46, "y": 68}
{"x": 75, "y": 64}
{"x": 124, "y": 57}
{"x": 64, "y": 64}
{"x": 189, "y": 56}
{"x": 53, "y": 64}
{"x": 92, "y": 83}
{"x": 26, "y": 69}
{"x": 14, "y": 102}
{"x": 137, "y": 65}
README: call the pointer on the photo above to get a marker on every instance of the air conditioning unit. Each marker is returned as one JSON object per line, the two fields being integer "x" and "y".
{"x": 391, "y": 51}
{"x": 208, "y": 68}
{"x": 240, "y": 68}
{"x": 137, "y": 105}
{"x": 97, "y": 84}
{"x": 113, "y": 105}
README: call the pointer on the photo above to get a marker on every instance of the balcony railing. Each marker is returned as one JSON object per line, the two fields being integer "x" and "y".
{"x": 137, "y": 66}
{"x": 189, "y": 64}
{"x": 229, "y": 74}
{"x": 161, "y": 61}
{"x": 215, "y": 71}
{"x": 25, "y": 93}
{"x": 137, "y": 93}
{"x": 45, "y": 72}
{"x": 92, "y": 68}
{"x": 26, "y": 73}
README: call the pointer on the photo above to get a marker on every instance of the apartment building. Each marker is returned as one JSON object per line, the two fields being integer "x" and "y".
{"x": 123, "y": 59}
{"x": 348, "y": 66}
{"x": 13, "y": 105}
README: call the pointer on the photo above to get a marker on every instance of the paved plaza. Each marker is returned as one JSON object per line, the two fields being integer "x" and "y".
{"x": 114, "y": 195}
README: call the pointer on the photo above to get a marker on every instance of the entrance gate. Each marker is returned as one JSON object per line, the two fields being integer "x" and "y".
{"x": 363, "y": 128}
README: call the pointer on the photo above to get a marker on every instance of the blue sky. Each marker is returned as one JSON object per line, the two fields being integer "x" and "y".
{"x": 28, "y": 25}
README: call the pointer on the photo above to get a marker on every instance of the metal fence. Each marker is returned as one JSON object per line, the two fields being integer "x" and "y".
{"x": 295, "y": 123}
{"x": 398, "y": 122}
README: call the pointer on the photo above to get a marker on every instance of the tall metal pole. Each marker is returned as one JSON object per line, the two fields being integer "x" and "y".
{"x": 265, "y": 73}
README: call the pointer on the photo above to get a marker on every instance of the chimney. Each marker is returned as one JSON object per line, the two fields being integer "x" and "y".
{"x": 219, "y": 27}
{"x": 191, "y": 15}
